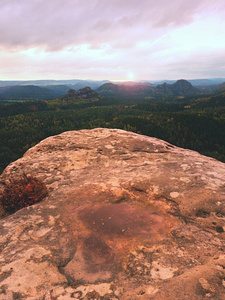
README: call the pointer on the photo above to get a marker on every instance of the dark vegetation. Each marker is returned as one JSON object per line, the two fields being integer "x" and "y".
{"x": 185, "y": 119}
{"x": 23, "y": 192}
{"x": 31, "y": 92}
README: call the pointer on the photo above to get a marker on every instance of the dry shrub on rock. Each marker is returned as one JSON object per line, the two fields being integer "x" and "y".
{"x": 23, "y": 192}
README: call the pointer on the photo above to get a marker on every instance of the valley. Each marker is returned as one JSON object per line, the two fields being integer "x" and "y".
{"x": 177, "y": 113}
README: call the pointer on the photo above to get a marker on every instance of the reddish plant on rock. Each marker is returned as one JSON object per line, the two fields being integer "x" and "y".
{"x": 22, "y": 192}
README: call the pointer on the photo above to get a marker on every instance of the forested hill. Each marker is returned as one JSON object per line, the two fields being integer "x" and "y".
{"x": 179, "y": 88}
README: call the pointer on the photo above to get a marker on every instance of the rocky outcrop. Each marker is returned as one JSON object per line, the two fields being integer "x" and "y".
{"x": 86, "y": 94}
{"x": 127, "y": 217}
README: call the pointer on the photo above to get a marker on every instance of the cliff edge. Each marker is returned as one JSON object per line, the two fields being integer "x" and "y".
{"x": 126, "y": 217}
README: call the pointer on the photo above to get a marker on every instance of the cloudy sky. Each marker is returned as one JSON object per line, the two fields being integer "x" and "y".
{"x": 112, "y": 39}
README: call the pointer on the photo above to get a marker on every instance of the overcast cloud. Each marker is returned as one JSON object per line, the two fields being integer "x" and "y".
{"x": 117, "y": 39}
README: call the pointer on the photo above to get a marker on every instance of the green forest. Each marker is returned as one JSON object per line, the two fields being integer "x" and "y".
{"x": 196, "y": 123}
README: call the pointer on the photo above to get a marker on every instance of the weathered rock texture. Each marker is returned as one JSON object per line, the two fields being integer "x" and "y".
{"x": 127, "y": 217}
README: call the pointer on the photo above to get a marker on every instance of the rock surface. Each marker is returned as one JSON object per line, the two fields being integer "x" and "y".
{"x": 127, "y": 217}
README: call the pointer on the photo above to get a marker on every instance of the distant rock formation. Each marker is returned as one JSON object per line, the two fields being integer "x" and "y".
{"x": 85, "y": 93}
{"x": 126, "y": 217}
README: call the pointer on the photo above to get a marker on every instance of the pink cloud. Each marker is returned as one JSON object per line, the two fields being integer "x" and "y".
{"x": 56, "y": 24}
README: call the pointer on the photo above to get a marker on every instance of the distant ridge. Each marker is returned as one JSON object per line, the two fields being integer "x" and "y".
{"x": 51, "y": 89}
{"x": 194, "y": 82}
{"x": 80, "y": 83}
{"x": 179, "y": 88}
{"x": 94, "y": 84}
{"x": 42, "y": 89}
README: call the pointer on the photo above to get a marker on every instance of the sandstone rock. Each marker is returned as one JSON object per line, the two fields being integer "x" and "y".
{"x": 127, "y": 217}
